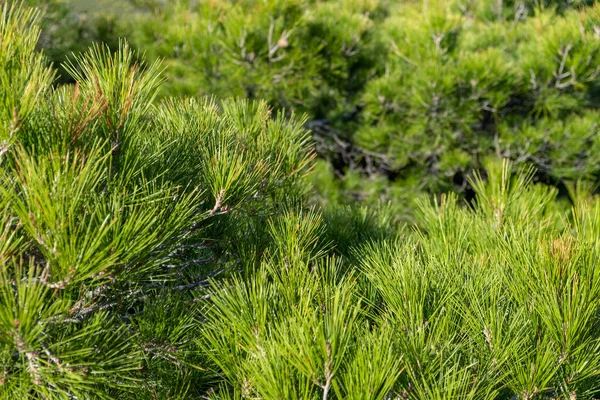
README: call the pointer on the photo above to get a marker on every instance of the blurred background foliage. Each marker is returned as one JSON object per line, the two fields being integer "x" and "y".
{"x": 403, "y": 97}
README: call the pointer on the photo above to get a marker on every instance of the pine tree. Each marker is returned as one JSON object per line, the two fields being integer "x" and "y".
{"x": 115, "y": 213}
{"x": 499, "y": 300}
{"x": 413, "y": 95}
{"x": 163, "y": 248}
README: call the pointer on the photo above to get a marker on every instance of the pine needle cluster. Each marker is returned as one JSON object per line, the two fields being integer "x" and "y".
{"x": 115, "y": 212}
{"x": 162, "y": 248}
{"x": 498, "y": 300}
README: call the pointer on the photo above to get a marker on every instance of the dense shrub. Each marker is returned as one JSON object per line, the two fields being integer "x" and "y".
{"x": 115, "y": 211}
{"x": 298, "y": 54}
{"x": 420, "y": 92}
{"x": 459, "y": 88}
{"x": 163, "y": 248}
{"x": 497, "y": 301}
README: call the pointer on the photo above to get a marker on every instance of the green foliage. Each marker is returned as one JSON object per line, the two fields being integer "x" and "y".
{"x": 109, "y": 229}
{"x": 415, "y": 94}
{"x": 468, "y": 83}
{"x": 499, "y": 300}
{"x": 23, "y": 74}
{"x": 71, "y": 26}
{"x": 297, "y": 54}
{"x": 168, "y": 248}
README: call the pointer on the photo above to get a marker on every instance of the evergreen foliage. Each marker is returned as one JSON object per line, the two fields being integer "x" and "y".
{"x": 500, "y": 300}
{"x": 472, "y": 87}
{"x": 71, "y": 26}
{"x": 115, "y": 211}
{"x": 154, "y": 247}
{"x": 417, "y": 93}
